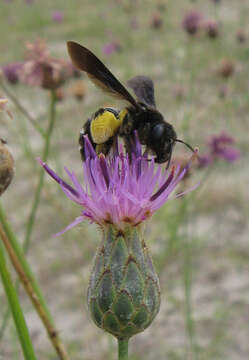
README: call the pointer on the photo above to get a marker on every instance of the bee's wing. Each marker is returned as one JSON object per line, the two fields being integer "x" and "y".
{"x": 143, "y": 87}
{"x": 85, "y": 60}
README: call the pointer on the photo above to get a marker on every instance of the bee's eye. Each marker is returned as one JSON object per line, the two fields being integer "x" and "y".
{"x": 157, "y": 131}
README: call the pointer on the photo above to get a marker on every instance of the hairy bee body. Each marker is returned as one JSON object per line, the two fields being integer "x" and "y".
{"x": 107, "y": 123}
{"x": 158, "y": 136}
{"x": 101, "y": 130}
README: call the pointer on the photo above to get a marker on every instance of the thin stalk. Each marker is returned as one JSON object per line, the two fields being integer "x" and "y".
{"x": 51, "y": 331}
{"x": 46, "y": 150}
{"x": 31, "y": 220}
{"x": 123, "y": 349}
{"x": 19, "y": 253}
{"x": 21, "y": 327}
{"x": 22, "y": 108}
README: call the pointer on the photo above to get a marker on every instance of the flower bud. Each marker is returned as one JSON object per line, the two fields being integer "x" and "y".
{"x": 6, "y": 166}
{"x": 123, "y": 294}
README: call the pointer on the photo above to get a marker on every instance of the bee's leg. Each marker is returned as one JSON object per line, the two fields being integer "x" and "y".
{"x": 85, "y": 131}
{"x": 129, "y": 142}
{"x": 127, "y": 126}
{"x": 105, "y": 147}
{"x": 126, "y": 131}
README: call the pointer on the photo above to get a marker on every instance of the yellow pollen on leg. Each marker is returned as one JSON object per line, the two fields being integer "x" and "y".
{"x": 104, "y": 126}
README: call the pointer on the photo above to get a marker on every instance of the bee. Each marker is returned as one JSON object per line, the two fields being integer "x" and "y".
{"x": 141, "y": 115}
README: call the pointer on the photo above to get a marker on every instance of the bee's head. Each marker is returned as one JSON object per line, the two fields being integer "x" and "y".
{"x": 163, "y": 137}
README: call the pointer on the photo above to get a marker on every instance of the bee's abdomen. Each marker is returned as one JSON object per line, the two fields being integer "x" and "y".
{"x": 104, "y": 125}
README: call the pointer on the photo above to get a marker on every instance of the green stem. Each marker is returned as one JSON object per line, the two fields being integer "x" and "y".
{"x": 31, "y": 220}
{"x": 123, "y": 349}
{"x": 28, "y": 286}
{"x": 16, "y": 310}
{"x": 19, "y": 253}
{"x": 22, "y": 109}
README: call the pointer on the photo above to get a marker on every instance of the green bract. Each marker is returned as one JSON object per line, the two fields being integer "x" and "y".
{"x": 123, "y": 294}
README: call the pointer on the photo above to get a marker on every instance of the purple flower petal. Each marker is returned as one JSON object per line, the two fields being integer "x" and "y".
{"x": 119, "y": 189}
{"x": 78, "y": 220}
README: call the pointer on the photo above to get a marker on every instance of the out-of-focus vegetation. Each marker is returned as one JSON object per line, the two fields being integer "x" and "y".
{"x": 197, "y": 53}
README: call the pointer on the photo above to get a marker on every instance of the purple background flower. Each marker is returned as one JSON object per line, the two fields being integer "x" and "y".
{"x": 111, "y": 47}
{"x": 220, "y": 147}
{"x": 57, "y": 16}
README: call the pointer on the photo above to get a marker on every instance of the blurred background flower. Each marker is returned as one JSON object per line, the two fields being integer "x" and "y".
{"x": 11, "y": 72}
{"x": 220, "y": 147}
{"x": 212, "y": 28}
{"x": 57, "y": 16}
{"x": 226, "y": 68}
{"x": 192, "y": 21}
{"x": 156, "y": 20}
{"x": 111, "y": 47}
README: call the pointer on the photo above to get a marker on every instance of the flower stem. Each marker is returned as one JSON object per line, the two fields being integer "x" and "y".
{"x": 22, "y": 109}
{"x": 16, "y": 310}
{"x": 52, "y": 332}
{"x": 20, "y": 255}
{"x": 31, "y": 220}
{"x": 123, "y": 349}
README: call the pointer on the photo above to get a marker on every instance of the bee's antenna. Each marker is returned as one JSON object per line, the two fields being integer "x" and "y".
{"x": 170, "y": 156}
{"x": 181, "y": 141}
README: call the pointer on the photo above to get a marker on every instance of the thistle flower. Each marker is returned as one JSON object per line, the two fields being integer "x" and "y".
{"x": 119, "y": 194}
{"x": 220, "y": 147}
{"x": 212, "y": 28}
{"x": 11, "y": 72}
{"x": 156, "y": 20}
{"x": 226, "y": 68}
{"x": 241, "y": 36}
{"x": 41, "y": 69}
{"x": 111, "y": 47}
{"x": 58, "y": 16}
{"x": 117, "y": 190}
{"x": 191, "y": 22}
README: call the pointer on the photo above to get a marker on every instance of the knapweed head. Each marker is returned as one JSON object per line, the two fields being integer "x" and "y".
{"x": 191, "y": 22}
{"x": 58, "y": 16}
{"x": 212, "y": 28}
{"x": 220, "y": 146}
{"x": 156, "y": 20}
{"x": 226, "y": 68}
{"x": 241, "y": 36}
{"x": 111, "y": 48}
{"x": 11, "y": 72}
{"x": 41, "y": 69}
{"x": 120, "y": 190}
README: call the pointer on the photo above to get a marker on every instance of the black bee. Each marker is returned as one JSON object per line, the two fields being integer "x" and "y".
{"x": 153, "y": 131}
